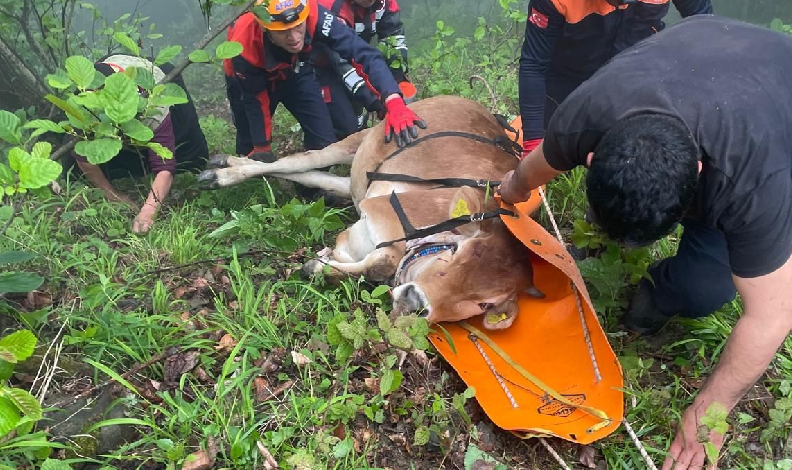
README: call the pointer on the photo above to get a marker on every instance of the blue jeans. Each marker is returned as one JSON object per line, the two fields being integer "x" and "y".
{"x": 697, "y": 280}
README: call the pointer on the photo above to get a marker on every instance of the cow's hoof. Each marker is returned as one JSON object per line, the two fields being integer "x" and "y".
{"x": 312, "y": 268}
{"x": 208, "y": 179}
{"x": 218, "y": 161}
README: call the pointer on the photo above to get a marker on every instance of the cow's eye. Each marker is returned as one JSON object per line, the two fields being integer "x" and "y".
{"x": 484, "y": 306}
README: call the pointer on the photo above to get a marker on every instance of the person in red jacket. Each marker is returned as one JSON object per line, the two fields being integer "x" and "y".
{"x": 566, "y": 41}
{"x": 347, "y": 92}
{"x": 273, "y": 68}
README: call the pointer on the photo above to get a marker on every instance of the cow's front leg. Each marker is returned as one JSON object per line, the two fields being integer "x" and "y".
{"x": 379, "y": 266}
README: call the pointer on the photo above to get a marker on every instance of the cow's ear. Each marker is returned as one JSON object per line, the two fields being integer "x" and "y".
{"x": 466, "y": 201}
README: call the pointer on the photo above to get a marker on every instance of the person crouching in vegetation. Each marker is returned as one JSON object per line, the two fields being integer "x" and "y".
{"x": 274, "y": 68}
{"x": 175, "y": 128}
{"x": 348, "y": 95}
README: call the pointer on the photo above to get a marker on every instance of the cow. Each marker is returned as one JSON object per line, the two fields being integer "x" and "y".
{"x": 454, "y": 274}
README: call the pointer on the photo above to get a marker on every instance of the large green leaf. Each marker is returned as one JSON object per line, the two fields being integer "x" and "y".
{"x": 17, "y": 157}
{"x": 166, "y": 54}
{"x": 127, "y": 42}
{"x": 9, "y": 416}
{"x": 71, "y": 111}
{"x": 8, "y": 257}
{"x": 19, "y": 282}
{"x": 44, "y": 125}
{"x": 6, "y": 175}
{"x": 20, "y": 344}
{"x": 168, "y": 95}
{"x": 137, "y": 130}
{"x": 38, "y": 172}
{"x": 99, "y": 151}
{"x": 42, "y": 150}
{"x": 160, "y": 150}
{"x": 59, "y": 80}
{"x": 6, "y": 370}
{"x": 390, "y": 381}
{"x": 228, "y": 50}
{"x": 199, "y": 55}
{"x": 80, "y": 70}
{"x": 26, "y": 402}
{"x": 93, "y": 100}
{"x": 9, "y": 127}
{"x": 54, "y": 464}
{"x": 144, "y": 79}
{"x": 122, "y": 98}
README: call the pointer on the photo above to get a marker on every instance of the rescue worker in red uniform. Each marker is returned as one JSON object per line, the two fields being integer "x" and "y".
{"x": 347, "y": 93}
{"x": 273, "y": 68}
{"x": 566, "y": 41}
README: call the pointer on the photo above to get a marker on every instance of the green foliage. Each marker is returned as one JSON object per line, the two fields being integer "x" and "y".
{"x": 17, "y": 406}
{"x": 11, "y": 281}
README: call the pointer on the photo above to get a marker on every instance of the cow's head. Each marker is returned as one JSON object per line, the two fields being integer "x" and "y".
{"x": 479, "y": 269}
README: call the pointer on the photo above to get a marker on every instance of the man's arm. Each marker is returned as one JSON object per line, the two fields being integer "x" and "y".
{"x": 693, "y": 7}
{"x": 765, "y": 324}
{"x": 355, "y": 83}
{"x": 532, "y": 172}
{"x": 98, "y": 179}
{"x": 163, "y": 170}
{"x": 542, "y": 30}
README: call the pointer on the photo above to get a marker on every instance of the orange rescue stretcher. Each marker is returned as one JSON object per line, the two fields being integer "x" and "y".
{"x": 552, "y": 373}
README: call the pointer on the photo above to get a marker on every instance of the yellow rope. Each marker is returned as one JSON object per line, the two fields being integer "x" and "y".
{"x": 536, "y": 381}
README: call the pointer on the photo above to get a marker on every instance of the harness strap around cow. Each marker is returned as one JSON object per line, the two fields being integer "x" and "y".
{"x": 411, "y": 233}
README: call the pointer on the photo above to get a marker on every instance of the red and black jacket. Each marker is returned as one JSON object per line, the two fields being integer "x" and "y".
{"x": 572, "y": 39}
{"x": 382, "y": 18}
{"x": 262, "y": 64}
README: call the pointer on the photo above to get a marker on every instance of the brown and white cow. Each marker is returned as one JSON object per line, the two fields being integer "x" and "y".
{"x": 478, "y": 268}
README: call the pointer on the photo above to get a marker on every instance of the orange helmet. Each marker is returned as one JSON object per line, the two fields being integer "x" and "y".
{"x": 285, "y": 14}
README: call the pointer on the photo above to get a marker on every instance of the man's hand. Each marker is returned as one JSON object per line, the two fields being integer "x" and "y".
{"x": 687, "y": 451}
{"x": 145, "y": 219}
{"x": 512, "y": 189}
{"x": 400, "y": 122}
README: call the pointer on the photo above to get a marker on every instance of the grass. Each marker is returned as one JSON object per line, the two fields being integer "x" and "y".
{"x": 259, "y": 361}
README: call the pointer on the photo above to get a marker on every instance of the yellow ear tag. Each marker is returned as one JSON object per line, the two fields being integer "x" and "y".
{"x": 460, "y": 209}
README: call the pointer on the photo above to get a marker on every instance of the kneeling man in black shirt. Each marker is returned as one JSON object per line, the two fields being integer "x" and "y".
{"x": 692, "y": 126}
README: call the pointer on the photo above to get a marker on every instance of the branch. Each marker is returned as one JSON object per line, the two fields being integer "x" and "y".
{"x": 26, "y": 73}
{"x": 209, "y": 37}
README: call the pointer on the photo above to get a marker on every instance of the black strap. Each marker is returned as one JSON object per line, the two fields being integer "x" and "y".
{"x": 501, "y": 141}
{"x": 405, "y": 221}
{"x": 448, "y": 182}
{"x": 411, "y": 233}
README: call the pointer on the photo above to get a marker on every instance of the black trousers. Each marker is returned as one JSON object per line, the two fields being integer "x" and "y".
{"x": 300, "y": 94}
{"x": 697, "y": 280}
{"x": 345, "y": 111}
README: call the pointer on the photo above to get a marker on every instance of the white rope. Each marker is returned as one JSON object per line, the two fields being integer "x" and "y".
{"x": 555, "y": 454}
{"x": 586, "y": 332}
{"x": 650, "y": 464}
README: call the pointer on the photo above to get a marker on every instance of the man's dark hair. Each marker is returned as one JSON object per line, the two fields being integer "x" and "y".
{"x": 643, "y": 178}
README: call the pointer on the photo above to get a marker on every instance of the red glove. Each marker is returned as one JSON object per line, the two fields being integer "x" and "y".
{"x": 400, "y": 121}
{"x": 529, "y": 145}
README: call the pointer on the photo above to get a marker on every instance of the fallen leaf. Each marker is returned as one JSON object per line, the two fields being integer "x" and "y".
{"x": 273, "y": 361}
{"x": 339, "y": 431}
{"x": 372, "y": 383}
{"x": 202, "y": 375}
{"x": 179, "y": 364}
{"x": 225, "y": 280}
{"x": 588, "y": 456}
{"x": 180, "y": 292}
{"x": 420, "y": 357}
{"x": 482, "y": 465}
{"x": 300, "y": 359}
{"x": 269, "y": 462}
{"x": 36, "y": 300}
{"x": 226, "y": 344}
{"x": 200, "y": 460}
{"x": 398, "y": 439}
{"x": 262, "y": 389}
{"x": 200, "y": 283}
